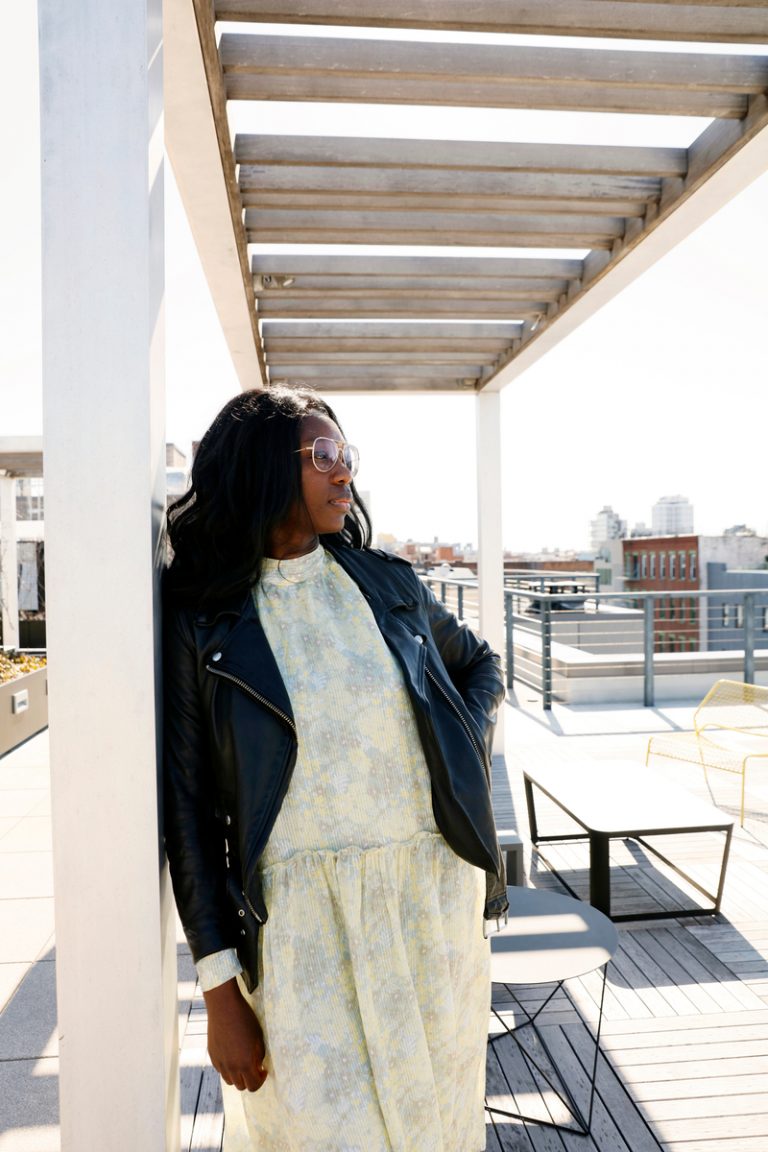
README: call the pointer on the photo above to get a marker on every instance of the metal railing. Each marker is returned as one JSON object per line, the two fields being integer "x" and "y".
{"x": 607, "y": 632}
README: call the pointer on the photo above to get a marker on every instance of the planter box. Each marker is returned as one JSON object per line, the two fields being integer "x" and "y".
{"x": 23, "y": 708}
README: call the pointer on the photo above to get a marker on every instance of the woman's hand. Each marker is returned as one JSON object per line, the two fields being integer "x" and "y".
{"x": 235, "y": 1039}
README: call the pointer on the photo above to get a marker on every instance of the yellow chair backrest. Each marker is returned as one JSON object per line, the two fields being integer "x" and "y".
{"x": 733, "y": 705}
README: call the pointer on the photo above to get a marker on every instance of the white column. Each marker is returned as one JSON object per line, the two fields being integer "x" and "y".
{"x": 490, "y": 562}
{"x": 102, "y": 210}
{"x": 9, "y": 584}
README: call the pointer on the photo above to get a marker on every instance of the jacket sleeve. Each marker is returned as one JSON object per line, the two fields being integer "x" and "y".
{"x": 194, "y": 838}
{"x": 473, "y": 666}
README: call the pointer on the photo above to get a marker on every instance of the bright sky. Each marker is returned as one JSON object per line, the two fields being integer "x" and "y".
{"x": 663, "y": 391}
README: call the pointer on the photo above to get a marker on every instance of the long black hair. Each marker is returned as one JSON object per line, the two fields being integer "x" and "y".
{"x": 245, "y": 479}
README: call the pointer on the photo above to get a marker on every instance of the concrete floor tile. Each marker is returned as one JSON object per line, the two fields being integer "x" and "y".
{"x": 30, "y": 834}
{"x": 25, "y": 875}
{"x": 6, "y": 824}
{"x": 32, "y": 774}
{"x": 26, "y": 927}
{"x": 20, "y": 801}
{"x": 28, "y": 1023}
{"x": 29, "y": 1106}
{"x": 11, "y": 976}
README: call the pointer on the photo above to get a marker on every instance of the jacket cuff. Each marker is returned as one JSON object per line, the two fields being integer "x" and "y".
{"x": 217, "y": 968}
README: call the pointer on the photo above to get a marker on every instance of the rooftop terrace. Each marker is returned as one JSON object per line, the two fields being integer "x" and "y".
{"x": 685, "y": 1029}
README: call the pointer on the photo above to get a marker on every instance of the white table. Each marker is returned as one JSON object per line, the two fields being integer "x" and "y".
{"x": 624, "y": 799}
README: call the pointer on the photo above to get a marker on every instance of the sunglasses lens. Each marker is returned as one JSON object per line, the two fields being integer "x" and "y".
{"x": 351, "y": 458}
{"x": 324, "y": 454}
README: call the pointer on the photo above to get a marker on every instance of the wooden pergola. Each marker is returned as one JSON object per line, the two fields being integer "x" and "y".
{"x": 616, "y": 207}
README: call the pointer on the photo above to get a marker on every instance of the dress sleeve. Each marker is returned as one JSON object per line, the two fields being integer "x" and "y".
{"x": 217, "y": 968}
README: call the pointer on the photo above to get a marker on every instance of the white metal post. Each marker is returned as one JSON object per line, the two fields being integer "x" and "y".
{"x": 102, "y": 211}
{"x": 9, "y": 585}
{"x": 490, "y": 562}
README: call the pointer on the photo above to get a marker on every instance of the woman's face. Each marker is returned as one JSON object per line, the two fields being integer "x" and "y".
{"x": 326, "y": 496}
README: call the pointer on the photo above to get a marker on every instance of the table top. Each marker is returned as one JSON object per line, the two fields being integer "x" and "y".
{"x": 550, "y": 937}
{"x": 619, "y": 797}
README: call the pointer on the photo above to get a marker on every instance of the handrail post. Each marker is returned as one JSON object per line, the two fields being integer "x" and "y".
{"x": 648, "y": 683}
{"x": 546, "y": 655}
{"x": 510, "y": 641}
{"x": 749, "y": 638}
{"x": 442, "y": 591}
{"x": 460, "y": 601}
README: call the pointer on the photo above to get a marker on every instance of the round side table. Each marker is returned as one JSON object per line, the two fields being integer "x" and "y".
{"x": 551, "y": 938}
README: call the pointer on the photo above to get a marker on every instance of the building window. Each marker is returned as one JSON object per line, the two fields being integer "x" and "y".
{"x": 671, "y": 610}
{"x": 692, "y": 611}
{"x": 682, "y": 565}
{"x": 663, "y": 566}
{"x": 739, "y": 615}
{"x": 672, "y": 566}
{"x": 765, "y": 619}
{"x": 727, "y": 615}
{"x": 644, "y": 565}
{"x": 653, "y": 565}
{"x": 692, "y": 566}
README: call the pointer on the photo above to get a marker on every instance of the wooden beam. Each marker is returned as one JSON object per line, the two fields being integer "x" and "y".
{"x": 341, "y": 337}
{"x": 447, "y": 202}
{"x": 423, "y": 287}
{"x": 395, "y": 185}
{"x": 376, "y": 71}
{"x": 275, "y": 226}
{"x": 200, "y": 150}
{"x": 460, "y": 267}
{"x": 366, "y": 384}
{"x": 743, "y": 22}
{"x": 458, "y": 155}
{"x": 400, "y": 308}
{"x": 723, "y": 161}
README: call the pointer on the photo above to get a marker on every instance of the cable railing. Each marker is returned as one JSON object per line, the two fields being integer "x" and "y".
{"x": 559, "y": 637}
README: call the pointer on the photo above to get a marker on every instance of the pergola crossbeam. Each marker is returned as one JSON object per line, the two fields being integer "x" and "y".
{"x": 744, "y": 22}
{"x": 259, "y": 67}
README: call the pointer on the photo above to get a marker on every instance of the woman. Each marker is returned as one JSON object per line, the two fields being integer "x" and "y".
{"x": 328, "y": 817}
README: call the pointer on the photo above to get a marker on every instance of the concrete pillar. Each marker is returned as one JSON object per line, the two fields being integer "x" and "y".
{"x": 9, "y": 565}
{"x": 102, "y": 213}
{"x": 490, "y": 552}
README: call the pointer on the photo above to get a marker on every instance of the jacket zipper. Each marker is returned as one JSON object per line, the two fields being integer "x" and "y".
{"x": 251, "y": 909}
{"x": 256, "y": 695}
{"x": 467, "y": 728}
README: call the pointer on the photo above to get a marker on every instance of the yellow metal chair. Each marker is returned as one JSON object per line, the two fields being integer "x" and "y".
{"x": 730, "y": 729}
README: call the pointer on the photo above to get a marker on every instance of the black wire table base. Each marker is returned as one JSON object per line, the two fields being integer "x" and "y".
{"x": 582, "y": 1125}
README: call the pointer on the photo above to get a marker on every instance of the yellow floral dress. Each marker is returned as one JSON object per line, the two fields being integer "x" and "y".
{"x": 374, "y": 984}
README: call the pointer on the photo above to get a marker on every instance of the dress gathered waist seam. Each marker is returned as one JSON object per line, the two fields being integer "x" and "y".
{"x": 352, "y": 852}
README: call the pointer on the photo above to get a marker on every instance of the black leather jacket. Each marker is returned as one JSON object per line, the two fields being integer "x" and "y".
{"x": 230, "y": 745}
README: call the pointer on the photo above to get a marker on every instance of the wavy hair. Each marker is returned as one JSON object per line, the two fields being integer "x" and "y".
{"x": 245, "y": 479}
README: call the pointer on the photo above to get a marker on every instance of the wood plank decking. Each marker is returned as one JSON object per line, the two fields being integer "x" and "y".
{"x": 684, "y": 1048}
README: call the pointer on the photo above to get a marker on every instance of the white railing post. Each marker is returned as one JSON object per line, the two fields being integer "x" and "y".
{"x": 490, "y": 551}
{"x": 101, "y": 89}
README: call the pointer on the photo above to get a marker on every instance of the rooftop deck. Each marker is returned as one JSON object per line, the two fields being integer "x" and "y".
{"x": 685, "y": 1026}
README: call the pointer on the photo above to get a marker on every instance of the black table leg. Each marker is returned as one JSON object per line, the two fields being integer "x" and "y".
{"x": 531, "y": 809}
{"x": 599, "y": 872}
